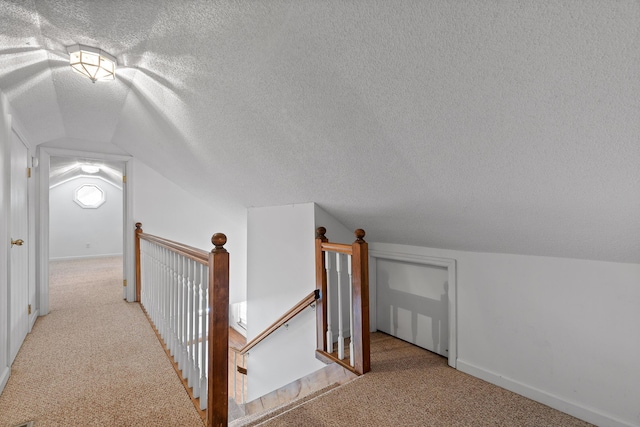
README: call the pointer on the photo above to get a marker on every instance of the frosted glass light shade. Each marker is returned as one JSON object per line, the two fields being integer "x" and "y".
{"x": 92, "y": 62}
{"x": 90, "y": 168}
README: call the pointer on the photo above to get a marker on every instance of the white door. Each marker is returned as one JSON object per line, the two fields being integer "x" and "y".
{"x": 19, "y": 252}
{"x": 412, "y": 303}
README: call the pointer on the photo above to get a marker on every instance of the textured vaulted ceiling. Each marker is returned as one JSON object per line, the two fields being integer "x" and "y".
{"x": 493, "y": 126}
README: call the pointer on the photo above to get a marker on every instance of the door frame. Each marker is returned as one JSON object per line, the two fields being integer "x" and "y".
{"x": 448, "y": 263}
{"x": 44, "y": 155}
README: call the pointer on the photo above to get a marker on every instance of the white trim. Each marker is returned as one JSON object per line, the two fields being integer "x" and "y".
{"x": 585, "y": 413}
{"x": 450, "y": 265}
{"x": 45, "y": 154}
{"x": 42, "y": 225}
{"x": 129, "y": 230}
{"x": 71, "y": 258}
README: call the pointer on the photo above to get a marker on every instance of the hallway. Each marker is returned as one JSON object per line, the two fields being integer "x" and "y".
{"x": 94, "y": 359}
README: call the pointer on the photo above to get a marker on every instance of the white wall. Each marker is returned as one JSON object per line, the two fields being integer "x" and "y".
{"x": 166, "y": 210}
{"x": 281, "y": 271}
{"x": 73, "y": 228}
{"x": 560, "y": 331}
{"x": 280, "y": 242}
{"x": 5, "y": 192}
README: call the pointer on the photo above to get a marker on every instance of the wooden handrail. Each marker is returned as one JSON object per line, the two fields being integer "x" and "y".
{"x": 294, "y": 311}
{"x": 190, "y": 252}
{"x": 337, "y": 247}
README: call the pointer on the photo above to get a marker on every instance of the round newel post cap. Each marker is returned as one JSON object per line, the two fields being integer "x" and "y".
{"x": 320, "y": 232}
{"x": 219, "y": 240}
{"x": 138, "y": 225}
{"x": 359, "y": 234}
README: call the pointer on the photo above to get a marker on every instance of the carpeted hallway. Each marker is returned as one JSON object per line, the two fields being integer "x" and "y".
{"x": 94, "y": 360}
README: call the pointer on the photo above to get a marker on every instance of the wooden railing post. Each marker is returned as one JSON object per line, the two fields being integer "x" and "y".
{"x": 217, "y": 397}
{"x": 321, "y": 286}
{"x": 138, "y": 272}
{"x": 361, "y": 335}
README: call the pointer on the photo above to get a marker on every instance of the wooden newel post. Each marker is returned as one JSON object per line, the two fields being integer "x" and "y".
{"x": 361, "y": 334}
{"x": 217, "y": 397}
{"x": 321, "y": 286}
{"x": 138, "y": 272}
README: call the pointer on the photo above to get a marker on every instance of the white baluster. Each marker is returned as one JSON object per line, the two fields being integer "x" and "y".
{"x": 185, "y": 316}
{"x": 163, "y": 280}
{"x": 340, "y": 329}
{"x": 352, "y": 361}
{"x": 174, "y": 305}
{"x": 160, "y": 325}
{"x": 191, "y": 328}
{"x": 180, "y": 296}
{"x": 328, "y": 302}
{"x": 196, "y": 330}
{"x": 171, "y": 305}
{"x": 156, "y": 286}
{"x": 204, "y": 363}
{"x": 205, "y": 341}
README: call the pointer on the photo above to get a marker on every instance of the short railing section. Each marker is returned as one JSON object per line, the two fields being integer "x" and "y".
{"x": 185, "y": 293}
{"x": 342, "y": 273}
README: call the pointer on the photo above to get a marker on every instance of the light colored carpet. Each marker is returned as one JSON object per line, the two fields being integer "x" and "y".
{"x": 409, "y": 386}
{"x": 94, "y": 359}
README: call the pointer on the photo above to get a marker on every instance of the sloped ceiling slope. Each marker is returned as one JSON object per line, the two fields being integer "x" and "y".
{"x": 487, "y": 126}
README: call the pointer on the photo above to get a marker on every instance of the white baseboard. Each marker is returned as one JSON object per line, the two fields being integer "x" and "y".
{"x": 69, "y": 258}
{"x": 4, "y": 376}
{"x": 590, "y": 415}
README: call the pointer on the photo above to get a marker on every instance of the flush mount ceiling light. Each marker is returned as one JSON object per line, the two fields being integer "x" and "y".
{"x": 92, "y": 62}
{"x": 90, "y": 168}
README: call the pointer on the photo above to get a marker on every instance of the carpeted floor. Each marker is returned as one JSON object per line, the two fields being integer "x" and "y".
{"x": 409, "y": 386}
{"x": 94, "y": 359}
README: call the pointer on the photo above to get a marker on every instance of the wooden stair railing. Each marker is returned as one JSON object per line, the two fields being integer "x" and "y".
{"x": 286, "y": 317}
{"x": 359, "y": 274}
{"x": 290, "y": 314}
{"x": 217, "y": 311}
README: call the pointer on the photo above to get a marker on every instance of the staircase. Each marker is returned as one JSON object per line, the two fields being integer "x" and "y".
{"x": 289, "y": 396}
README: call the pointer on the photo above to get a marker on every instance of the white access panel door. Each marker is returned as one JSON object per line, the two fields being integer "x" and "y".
{"x": 19, "y": 253}
{"x": 412, "y": 303}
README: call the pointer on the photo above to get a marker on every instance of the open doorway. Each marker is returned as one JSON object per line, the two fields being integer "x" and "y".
{"x": 102, "y": 189}
{"x": 86, "y": 216}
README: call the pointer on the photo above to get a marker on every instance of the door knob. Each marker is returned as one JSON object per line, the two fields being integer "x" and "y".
{"x": 18, "y": 242}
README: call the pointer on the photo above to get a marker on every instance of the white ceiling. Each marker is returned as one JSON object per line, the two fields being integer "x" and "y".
{"x": 487, "y": 126}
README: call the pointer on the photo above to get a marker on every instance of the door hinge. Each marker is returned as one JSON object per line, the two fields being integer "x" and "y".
{"x": 29, "y": 308}
{"x": 28, "y": 172}
{"x": 124, "y": 282}
{"x": 124, "y": 178}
